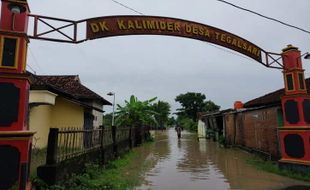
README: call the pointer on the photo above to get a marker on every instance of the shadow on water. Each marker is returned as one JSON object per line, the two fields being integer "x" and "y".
{"x": 191, "y": 164}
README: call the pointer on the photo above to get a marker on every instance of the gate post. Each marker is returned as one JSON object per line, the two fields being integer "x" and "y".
{"x": 295, "y": 134}
{"x": 15, "y": 139}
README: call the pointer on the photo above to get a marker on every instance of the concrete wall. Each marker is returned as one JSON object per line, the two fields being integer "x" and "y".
{"x": 201, "y": 129}
{"x": 98, "y": 116}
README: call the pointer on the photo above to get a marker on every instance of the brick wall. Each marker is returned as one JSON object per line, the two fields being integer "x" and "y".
{"x": 254, "y": 129}
{"x": 261, "y": 130}
{"x": 229, "y": 128}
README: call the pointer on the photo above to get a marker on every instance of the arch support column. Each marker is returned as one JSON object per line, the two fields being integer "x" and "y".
{"x": 294, "y": 136}
{"x": 15, "y": 139}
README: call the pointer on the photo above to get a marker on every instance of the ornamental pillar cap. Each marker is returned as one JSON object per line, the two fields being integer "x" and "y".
{"x": 289, "y": 48}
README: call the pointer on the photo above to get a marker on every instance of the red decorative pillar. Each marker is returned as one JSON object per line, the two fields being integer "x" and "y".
{"x": 15, "y": 139}
{"x": 295, "y": 134}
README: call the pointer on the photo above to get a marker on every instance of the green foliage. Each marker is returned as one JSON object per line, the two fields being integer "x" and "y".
{"x": 192, "y": 103}
{"x": 38, "y": 157}
{"x": 187, "y": 123}
{"x": 222, "y": 141}
{"x": 40, "y": 184}
{"x": 272, "y": 166}
{"x": 210, "y": 106}
{"x": 115, "y": 176}
{"x": 163, "y": 110}
{"x": 112, "y": 177}
{"x": 171, "y": 121}
{"x": 107, "y": 119}
{"x": 136, "y": 113}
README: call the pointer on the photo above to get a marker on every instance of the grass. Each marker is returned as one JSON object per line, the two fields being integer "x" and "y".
{"x": 38, "y": 158}
{"x": 112, "y": 177}
{"x": 272, "y": 166}
{"x": 117, "y": 175}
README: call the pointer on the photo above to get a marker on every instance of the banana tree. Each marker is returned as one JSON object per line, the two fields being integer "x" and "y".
{"x": 136, "y": 113}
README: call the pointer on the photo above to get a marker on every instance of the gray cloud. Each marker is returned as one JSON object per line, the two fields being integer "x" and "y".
{"x": 162, "y": 66}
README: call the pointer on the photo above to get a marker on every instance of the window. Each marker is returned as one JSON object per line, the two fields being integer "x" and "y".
{"x": 289, "y": 81}
{"x": 301, "y": 81}
{"x": 9, "y": 51}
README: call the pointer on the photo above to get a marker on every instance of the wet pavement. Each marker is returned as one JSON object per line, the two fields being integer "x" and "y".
{"x": 189, "y": 164}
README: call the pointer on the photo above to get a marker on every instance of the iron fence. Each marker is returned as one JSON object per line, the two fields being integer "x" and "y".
{"x": 73, "y": 142}
{"x": 66, "y": 143}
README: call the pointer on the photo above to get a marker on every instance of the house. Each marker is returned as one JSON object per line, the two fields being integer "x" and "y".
{"x": 255, "y": 126}
{"x": 62, "y": 102}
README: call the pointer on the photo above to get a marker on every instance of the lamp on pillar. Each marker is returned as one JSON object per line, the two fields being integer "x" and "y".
{"x": 15, "y": 9}
{"x": 112, "y": 94}
{"x": 306, "y": 55}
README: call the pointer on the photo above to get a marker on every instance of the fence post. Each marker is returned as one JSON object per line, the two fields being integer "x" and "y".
{"x": 51, "y": 157}
{"x": 102, "y": 151}
{"x": 130, "y": 140}
{"x": 114, "y": 141}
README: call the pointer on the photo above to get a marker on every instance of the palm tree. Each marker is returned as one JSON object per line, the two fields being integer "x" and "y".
{"x": 136, "y": 113}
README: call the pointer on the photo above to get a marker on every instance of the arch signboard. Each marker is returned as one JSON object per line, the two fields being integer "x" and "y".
{"x": 151, "y": 25}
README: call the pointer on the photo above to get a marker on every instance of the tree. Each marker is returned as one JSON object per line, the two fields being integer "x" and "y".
{"x": 107, "y": 119}
{"x": 136, "y": 113}
{"x": 210, "y": 106}
{"x": 171, "y": 121}
{"x": 163, "y": 110}
{"x": 192, "y": 103}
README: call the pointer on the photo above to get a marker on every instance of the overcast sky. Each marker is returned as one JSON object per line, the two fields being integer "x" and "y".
{"x": 164, "y": 66}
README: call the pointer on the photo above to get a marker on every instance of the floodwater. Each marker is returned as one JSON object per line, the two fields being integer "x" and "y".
{"x": 189, "y": 164}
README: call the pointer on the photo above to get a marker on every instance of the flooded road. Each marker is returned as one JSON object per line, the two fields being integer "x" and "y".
{"x": 189, "y": 164}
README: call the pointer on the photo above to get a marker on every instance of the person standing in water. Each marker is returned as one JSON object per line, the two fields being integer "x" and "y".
{"x": 178, "y": 129}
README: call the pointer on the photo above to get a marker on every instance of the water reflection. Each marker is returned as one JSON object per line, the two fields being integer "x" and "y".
{"x": 192, "y": 164}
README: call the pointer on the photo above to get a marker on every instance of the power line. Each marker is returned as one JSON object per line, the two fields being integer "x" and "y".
{"x": 31, "y": 69}
{"x": 127, "y": 7}
{"x": 228, "y": 51}
{"x": 34, "y": 58}
{"x": 266, "y": 17}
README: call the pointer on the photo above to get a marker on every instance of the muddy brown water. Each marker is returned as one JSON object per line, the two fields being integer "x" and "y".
{"x": 189, "y": 164}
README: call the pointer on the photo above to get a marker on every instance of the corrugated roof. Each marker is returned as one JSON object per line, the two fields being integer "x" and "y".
{"x": 68, "y": 85}
{"x": 273, "y": 98}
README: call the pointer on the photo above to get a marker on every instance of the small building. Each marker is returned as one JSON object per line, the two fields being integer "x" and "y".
{"x": 62, "y": 102}
{"x": 254, "y": 126}
{"x": 211, "y": 125}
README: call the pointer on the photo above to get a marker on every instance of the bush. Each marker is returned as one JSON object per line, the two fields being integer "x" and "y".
{"x": 188, "y": 124}
{"x": 222, "y": 141}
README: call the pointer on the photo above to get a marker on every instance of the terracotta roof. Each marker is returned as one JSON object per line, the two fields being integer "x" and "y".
{"x": 68, "y": 85}
{"x": 273, "y": 98}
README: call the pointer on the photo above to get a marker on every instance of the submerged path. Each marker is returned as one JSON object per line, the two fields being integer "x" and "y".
{"x": 189, "y": 164}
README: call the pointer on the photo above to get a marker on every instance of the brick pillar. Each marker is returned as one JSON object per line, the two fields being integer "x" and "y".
{"x": 295, "y": 134}
{"x": 15, "y": 139}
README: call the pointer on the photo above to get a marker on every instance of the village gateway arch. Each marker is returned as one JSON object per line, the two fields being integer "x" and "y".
{"x": 15, "y": 137}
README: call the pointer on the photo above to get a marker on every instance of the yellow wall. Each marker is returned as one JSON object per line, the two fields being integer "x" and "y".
{"x": 61, "y": 115}
{"x": 39, "y": 122}
{"x": 67, "y": 114}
